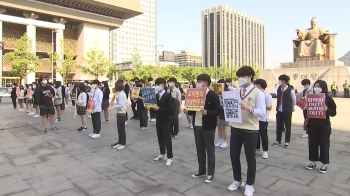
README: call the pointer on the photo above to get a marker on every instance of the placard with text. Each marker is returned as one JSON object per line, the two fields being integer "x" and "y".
{"x": 301, "y": 102}
{"x": 149, "y": 97}
{"x": 232, "y": 109}
{"x": 135, "y": 93}
{"x": 316, "y": 106}
{"x": 218, "y": 88}
{"x": 195, "y": 99}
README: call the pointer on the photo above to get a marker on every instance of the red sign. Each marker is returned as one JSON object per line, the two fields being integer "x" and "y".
{"x": 316, "y": 106}
{"x": 300, "y": 101}
{"x": 195, "y": 99}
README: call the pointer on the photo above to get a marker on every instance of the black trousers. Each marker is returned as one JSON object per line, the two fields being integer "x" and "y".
{"x": 14, "y": 103}
{"x": 96, "y": 122}
{"x": 319, "y": 145}
{"x": 121, "y": 128}
{"x": 133, "y": 107}
{"x": 263, "y": 135}
{"x": 249, "y": 140}
{"x": 334, "y": 92}
{"x": 205, "y": 147}
{"x": 305, "y": 117}
{"x": 346, "y": 93}
{"x": 164, "y": 139}
{"x": 286, "y": 119}
{"x": 174, "y": 126}
{"x": 73, "y": 103}
{"x": 152, "y": 114}
{"x": 126, "y": 117}
{"x": 63, "y": 105}
{"x": 142, "y": 116}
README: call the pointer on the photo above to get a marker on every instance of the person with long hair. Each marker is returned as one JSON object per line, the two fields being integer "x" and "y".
{"x": 29, "y": 96}
{"x": 58, "y": 99}
{"x": 319, "y": 130}
{"x": 222, "y": 124}
{"x": 20, "y": 97}
{"x": 120, "y": 105}
{"x": 105, "y": 102}
{"x": 81, "y": 106}
{"x": 66, "y": 94}
{"x": 189, "y": 117}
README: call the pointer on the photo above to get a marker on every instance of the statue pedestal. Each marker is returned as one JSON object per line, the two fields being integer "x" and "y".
{"x": 312, "y": 64}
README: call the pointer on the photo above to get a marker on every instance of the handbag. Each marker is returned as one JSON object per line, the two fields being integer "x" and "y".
{"x": 91, "y": 105}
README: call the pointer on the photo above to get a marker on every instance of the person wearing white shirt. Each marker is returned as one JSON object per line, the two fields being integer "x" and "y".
{"x": 264, "y": 121}
{"x": 81, "y": 106}
{"x": 246, "y": 133}
{"x": 307, "y": 90}
{"x": 97, "y": 95}
{"x": 286, "y": 100}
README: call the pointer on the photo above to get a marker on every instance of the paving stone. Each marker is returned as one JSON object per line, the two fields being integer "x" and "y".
{"x": 331, "y": 187}
{"x": 109, "y": 168}
{"x": 160, "y": 190}
{"x": 48, "y": 185}
{"x": 38, "y": 169}
{"x": 145, "y": 168}
{"x": 134, "y": 182}
{"x": 27, "y": 160}
{"x": 12, "y": 144}
{"x": 28, "y": 192}
{"x": 71, "y": 192}
{"x": 17, "y": 152}
{"x": 3, "y": 158}
{"x": 74, "y": 169}
{"x": 206, "y": 190}
{"x": 13, "y": 184}
{"x": 117, "y": 191}
{"x": 287, "y": 175}
{"x": 94, "y": 183}
{"x": 90, "y": 158}
{"x": 7, "y": 169}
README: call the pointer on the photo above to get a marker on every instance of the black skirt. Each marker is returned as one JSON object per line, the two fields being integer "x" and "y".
{"x": 105, "y": 104}
{"x": 30, "y": 101}
{"x": 81, "y": 110}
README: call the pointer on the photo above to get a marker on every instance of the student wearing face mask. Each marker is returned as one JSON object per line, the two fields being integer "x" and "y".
{"x": 176, "y": 95}
{"x": 20, "y": 97}
{"x": 58, "y": 100}
{"x": 229, "y": 84}
{"x": 141, "y": 110}
{"x": 164, "y": 117}
{"x": 189, "y": 117}
{"x": 205, "y": 122}
{"x": 307, "y": 90}
{"x": 133, "y": 101}
{"x": 97, "y": 95}
{"x": 105, "y": 102}
{"x": 35, "y": 103}
{"x": 246, "y": 133}
{"x": 29, "y": 96}
{"x": 152, "y": 112}
{"x": 14, "y": 95}
{"x": 320, "y": 130}
{"x": 286, "y": 101}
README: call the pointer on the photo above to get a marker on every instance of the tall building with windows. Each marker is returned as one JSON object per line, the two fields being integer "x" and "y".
{"x": 232, "y": 38}
{"x": 137, "y": 34}
{"x": 188, "y": 58}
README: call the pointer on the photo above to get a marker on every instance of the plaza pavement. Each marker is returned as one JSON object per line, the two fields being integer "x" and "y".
{"x": 69, "y": 163}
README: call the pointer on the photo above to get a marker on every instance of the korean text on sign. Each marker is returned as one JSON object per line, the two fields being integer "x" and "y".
{"x": 195, "y": 99}
{"x": 149, "y": 97}
{"x": 232, "y": 109}
{"x": 135, "y": 92}
{"x": 301, "y": 102}
{"x": 316, "y": 106}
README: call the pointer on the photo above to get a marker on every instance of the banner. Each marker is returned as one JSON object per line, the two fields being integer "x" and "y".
{"x": 195, "y": 99}
{"x": 135, "y": 93}
{"x": 149, "y": 97}
{"x": 301, "y": 102}
{"x": 316, "y": 106}
{"x": 218, "y": 88}
{"x": 232, "y": 109}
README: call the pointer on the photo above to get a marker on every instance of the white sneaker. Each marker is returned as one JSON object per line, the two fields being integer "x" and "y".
{"x": 116, "y": 146}
{"x": 191, "y": 127}
{"x": 21, "y": 110}
{"x": 94, "y": 136}
{"x": 249, "y": 190}
{"x": 66, "y": 105}
{"x": 159, "y": 158}
{"x": 88, "y": 116}
{"x": 304, "y": 135}
{"x": 188, "y": 126}
{"x": 91, "y": 134}
{"x": 265, "y": 155}
{"x": 219, "y": 143}
{"x": 149, "y": 120}
{"x": 236, "y": 185}
{"x": 30, "y": 113}
{"x": 168, "y": 162}
{"x": 223, "y": 145}
{"x": 120, "y": 147}
{"x": 36, "y": 116}
{"x": 27, "y": 111}
{"x": 126, "y": 123}
{"x": 153, "y": 120}
{"x": 180, "y": 115}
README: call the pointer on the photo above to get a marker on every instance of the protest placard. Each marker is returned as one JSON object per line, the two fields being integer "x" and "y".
{"x": 218, "y": 88}
{"x": 195, "y": 99}
{"x": 135, "y": 92}
{"x": 149, "y": 97}
{"x": 232, "y": 109}
{"x": 301, "y": 102}
{"x": 316, "y": 106}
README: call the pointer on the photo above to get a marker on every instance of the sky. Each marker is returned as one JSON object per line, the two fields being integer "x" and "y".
{"x": 180, "y": 23}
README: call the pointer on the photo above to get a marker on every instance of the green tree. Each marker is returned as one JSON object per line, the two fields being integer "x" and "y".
{"x": 95, "y": 63}
{"x": 23, "y": 61}
{"x": 136, "y": 61}
{"x": 65, "y": 64}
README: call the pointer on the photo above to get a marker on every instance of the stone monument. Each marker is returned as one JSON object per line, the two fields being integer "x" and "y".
{"x": 313, "y": 59}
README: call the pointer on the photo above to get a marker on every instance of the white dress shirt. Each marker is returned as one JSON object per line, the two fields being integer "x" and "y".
{"x": 292, "y": 95}
{"x": 260, "y": 108}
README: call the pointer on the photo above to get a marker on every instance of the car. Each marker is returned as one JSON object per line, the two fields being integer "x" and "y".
{"x": 4, "y": 92}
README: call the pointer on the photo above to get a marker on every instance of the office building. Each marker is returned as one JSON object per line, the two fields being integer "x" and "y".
{"x": 50, "y": 24}
{"x": 137, "y": 34}
{"x": 232, "y": 38}
{"x": 188, "y": 58}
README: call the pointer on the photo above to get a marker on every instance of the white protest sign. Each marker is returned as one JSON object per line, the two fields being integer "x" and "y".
{"x": 232, "y": 109}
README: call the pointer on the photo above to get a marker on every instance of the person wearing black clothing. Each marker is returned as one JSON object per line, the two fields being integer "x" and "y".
{"x": 307, "y": 90}
{"x": 152, "y": 112}
{"x": 14, "y": 95}
{"x": 222, "y": 124}
{"x": 105, "y": 100}
{"x": 44, "y": 95}
{"x": 127, "y": 92}
{"x": 204, "y": 123}
{"x": 141, "y": 110}
{"x": 320, "y": 130}
{"x": 164, "y": 112}
{"x": 176, "y": 95}
{"x": 63, "y": 105}
{"x": 133, "y": 103}
{"x": 74, "y": 94}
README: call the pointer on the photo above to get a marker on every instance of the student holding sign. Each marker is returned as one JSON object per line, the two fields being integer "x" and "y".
{"x": 319, "y": 129}
{"x": 205, "y": 122}
{"x": 222, "y": 124}
{"x": 252, "y": 102}
{"x": 307, "y": 90}
{"x": 141, "y": 110}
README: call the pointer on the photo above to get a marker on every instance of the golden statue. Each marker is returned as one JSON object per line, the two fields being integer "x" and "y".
{"x": 313, "y": 41}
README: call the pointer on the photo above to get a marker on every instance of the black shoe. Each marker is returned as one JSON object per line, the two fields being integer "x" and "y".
{"x": 276, "y": 144}
{"x": 323, "y": 170}
{"x": 80, "y": 129}
{"x": 114, "y": 145}
{"x": 311, "y": 166}
{"x": 197, "y": 174}
{"x": 286, "y": 145}
{"x": 209, "y": 179}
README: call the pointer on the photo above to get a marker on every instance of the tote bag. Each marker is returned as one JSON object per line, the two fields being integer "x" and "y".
{"x": 91, "y": 105}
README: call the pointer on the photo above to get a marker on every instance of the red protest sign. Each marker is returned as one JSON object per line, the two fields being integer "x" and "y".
{"x": 316, "y": 106}
{"x": 300, "y": 101}
{"x": 195, "y": 99}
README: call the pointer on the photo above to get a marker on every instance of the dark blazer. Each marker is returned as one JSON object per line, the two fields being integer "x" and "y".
{"x": 165, "y": 112}
{"x": 13, "y": 93}
{"x": 127, "y": 90}
{"x": 213, "y": 107}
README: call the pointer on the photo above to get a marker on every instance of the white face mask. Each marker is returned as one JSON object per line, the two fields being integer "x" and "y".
{"x": 242, "y": 81}
{"x": 34, "y": 86}
{"x": 158, "y": 88}
{"x": 102, "y": 85}
{"x": 44, "y": 81}
{"x": 199, "y": 85}
{"x": 306, "y": 86}
{"x": 94, "y": 86}
{"x": 317, "y": 90}
{"x": 279, "y": 83}
{"x": 170, "y": 84}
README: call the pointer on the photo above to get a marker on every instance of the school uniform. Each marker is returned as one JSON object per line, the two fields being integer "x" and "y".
{"x": 142, "y": 112}
{"x": 163, "y": 119}
{"x": 97, "y": 96}
{"x": 14, "y": 97}
{"x": 246, "y": 133}
{"x": 204, "y": 133}
{"x": 176, "y": 96}
{"x": 121, "y": 103}
{"x": 105, "y": 101}
{"x": 263, "y": 124}
{"x": 134, "y": 106}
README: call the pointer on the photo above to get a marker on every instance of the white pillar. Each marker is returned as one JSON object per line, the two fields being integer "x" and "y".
{"x": 31, "y": 32}
{"x": 60, "y": 52}
{"x": 1, "y": 53}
